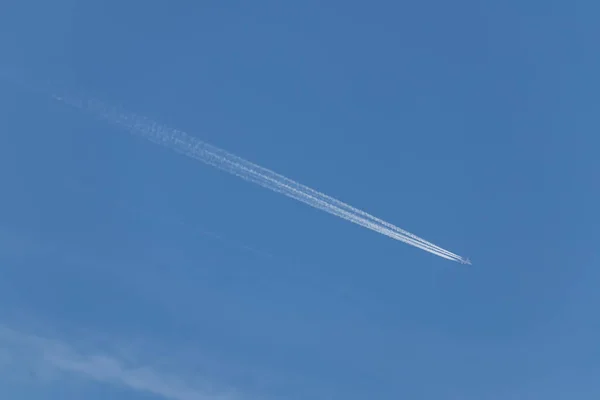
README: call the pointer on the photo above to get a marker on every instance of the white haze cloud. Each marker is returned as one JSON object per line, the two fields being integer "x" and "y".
{"x": 57, "y": 359}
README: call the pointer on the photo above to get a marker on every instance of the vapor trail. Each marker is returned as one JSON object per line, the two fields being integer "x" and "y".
{"x": 183, "y": 143}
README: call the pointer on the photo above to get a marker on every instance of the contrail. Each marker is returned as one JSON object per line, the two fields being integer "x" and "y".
{"x": 192, "y": 147}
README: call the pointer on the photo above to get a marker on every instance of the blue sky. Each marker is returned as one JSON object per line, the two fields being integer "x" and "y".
{"x": 130, "y": 272}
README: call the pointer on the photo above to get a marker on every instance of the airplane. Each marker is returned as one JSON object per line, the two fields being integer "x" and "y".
{"x": 466, "y": 261}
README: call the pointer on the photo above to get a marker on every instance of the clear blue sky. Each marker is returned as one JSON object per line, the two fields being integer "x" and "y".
{"x": 130, "y": 272}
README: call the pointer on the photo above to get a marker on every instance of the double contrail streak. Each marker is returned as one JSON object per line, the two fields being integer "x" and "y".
{"x": 192, "y": 147}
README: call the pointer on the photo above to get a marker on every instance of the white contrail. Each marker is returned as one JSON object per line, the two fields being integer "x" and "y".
{"x": 195, "y": 148}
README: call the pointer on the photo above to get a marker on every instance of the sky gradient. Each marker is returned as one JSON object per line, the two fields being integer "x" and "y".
{"x": 130, "y": 272}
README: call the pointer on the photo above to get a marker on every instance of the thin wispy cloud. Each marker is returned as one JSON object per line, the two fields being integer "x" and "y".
{"x": 61, "y": 360}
